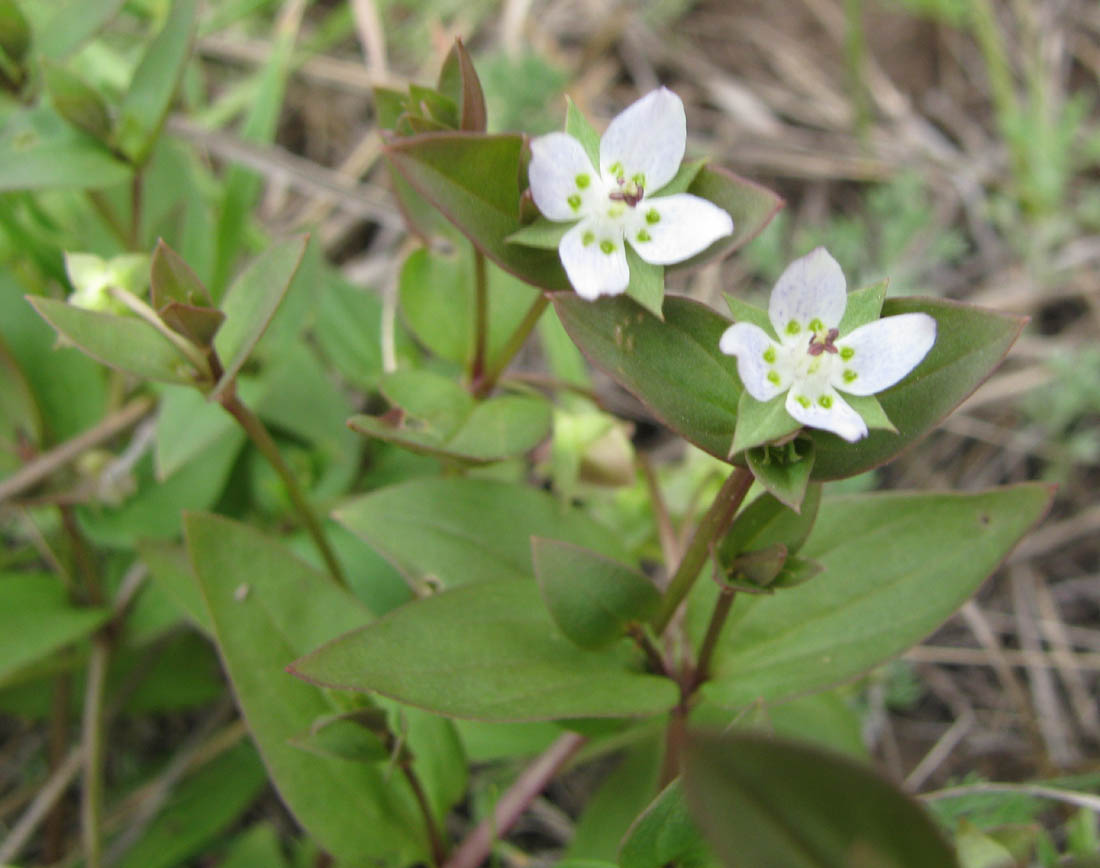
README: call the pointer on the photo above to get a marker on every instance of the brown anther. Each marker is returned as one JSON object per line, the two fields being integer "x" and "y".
{"x": 817, "y": 347}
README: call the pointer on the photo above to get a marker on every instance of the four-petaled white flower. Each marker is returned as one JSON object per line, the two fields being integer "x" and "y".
{"x": 639, "y": 154}
{"x": 811, "y": 361}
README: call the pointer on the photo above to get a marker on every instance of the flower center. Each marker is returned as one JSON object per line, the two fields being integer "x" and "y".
{"x": 819, "y": 344}
{"x": 630, "y": 190}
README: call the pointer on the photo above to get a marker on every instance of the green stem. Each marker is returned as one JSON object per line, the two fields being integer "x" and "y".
{"x": 481, "y": 316}
{"x": 259, "y": 435}
{"x": 135, "y": 209}
{"x": 485, "y": 385}
{"x": 91, "y": 806}
{"x": 710, "y": 640}
{"x": 435, "y": 839}
{"x": 713, "y": 525}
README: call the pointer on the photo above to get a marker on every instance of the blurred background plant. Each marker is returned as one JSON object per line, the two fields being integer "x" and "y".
{"x": 952, "y": 145}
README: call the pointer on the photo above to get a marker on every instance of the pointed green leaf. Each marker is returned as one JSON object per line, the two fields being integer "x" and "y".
{"x": 259, "y": 845}
{"x": 199, "y": 325}
{"x": 784, "y": 470}
{"x": 762, "y": 800}
{"x": 251, "y": 303}
{"x": 172, "y": 279}
{"x": 543, "y": 234}
{"x": 474, "y": 181}
{"x": 187, "y": 425}
{"x": 761, "y": 422}
{"x": 882, "y": 590}
{"x": 77, "y": 102}
{"x": 750, "y": 205}
{"x": 674, "y": 367}
{"x": 507, "y": 663}
{"x": 154, "y": 83}
{"x": 591, "y": 598}
{"x": 684, "y": 178}
{"x": 122, "y": 342}
{"x": 342, "y": 736}
{"x": 970, "y": 343}
{"x": 437, "y": 401}
{"x": 864, "y": 306}
{"x": 170, "y": 568}
{"x": 647, "y": 283}
{"x": 431, "y": 105}
{"x": 454, "y": 531}
{"x": 72, "y": 23}
{"x": 577, "y": 125}
{"x": 75, "y": 161}
{"x": 36, "y": 619}
{"x": 664, "y": 834}
{"x": 15, "y": 32}
{"x": 20, "y": 418}
{"x": 458, "y": 80}
{"x": 267, "y": 608}
{"x": 742, "y": 311}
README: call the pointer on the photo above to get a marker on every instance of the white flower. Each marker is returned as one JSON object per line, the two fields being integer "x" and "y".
{"x": 811, "y": 361}
{"x": 639, "y": 154}
{"x": 92, "y": 277}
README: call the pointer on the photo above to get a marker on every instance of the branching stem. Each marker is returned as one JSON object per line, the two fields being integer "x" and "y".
{"x": 484, "y": 385}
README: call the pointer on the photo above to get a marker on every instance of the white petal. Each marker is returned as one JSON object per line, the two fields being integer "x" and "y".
{"x": 557, "y": 162}
{"x": 880, "y": 353}
{"x": 673, "y": 228}
{"x": 758, "y": 358}
{"x": 838, "y": 416}
{"x": 595, "y": 259}
{"x": 649, "y": 137}
{"x": 810, "y": 288}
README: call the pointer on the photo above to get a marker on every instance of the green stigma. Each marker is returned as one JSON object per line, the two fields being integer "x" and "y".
{"x": 616, "y": 169}
{"x": 816, "y": 325}
{"x": 638, "y": 179}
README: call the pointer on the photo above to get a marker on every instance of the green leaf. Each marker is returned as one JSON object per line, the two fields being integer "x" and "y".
{"x": 768, "y": 801}
{"x": 647, "y": 283}
{"x": 188, "y": 425}
{"x": 170, "y": 569}
{"x": 200, "y": 809}
{"x": 77, "y": 102}
{"x": 500, "y": 428}
{"x": 577, "y": 125}
{"x": 75, "y": 161}
{"x": 454, "y": 531}
{"x": 507, "y": 663}
{"x": 683, "y": 178}
{"x": 783, "y": 470}
{"x": 125, "y": 343}
{"x": 342, "y": 736}
{"x": 761, "y": 422}
{"x": 882, "y": 590}
{"x": 750, "y": 205}
{"x": 433, "y": 106}
{"x": 348, "y": 331}
{"x": 173, "y": 280}
{"x": 591, "y": 598}
{"x": 970, "y": 343}
{"x": 437, "y": 297}
{"x": 473, "y": 180}
{"x": 437, "y": 401}
{"x": 864, "y": 306}
{"x": 742, "y": 311}
{"x": 251, "y": 303}
{"x": 20, "y": 418}
{"x": 674, "y": 367}
{"x": 766, "y": 521}
{"x": 36, "y": 619}
{"x": 267, "y": 608}
{"x": 258, "y": 845}
{"x": 154, "y": 83}
{"x": 543, "y": 234}
{"x": 458, "y": 80}
{"x": 72, "y": 23}
{"x": 664, "y": 834}
{"x": 15, "y": 32}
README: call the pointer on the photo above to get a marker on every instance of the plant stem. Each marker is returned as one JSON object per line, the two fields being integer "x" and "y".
{"x": 91, "y": 805}
{"x": 104, "y": 209}
{"x": 472, "y": 851}
{"x": 481, "y": 316}
{"x": 485, "y": 384}
{"x": 713, "y": 524}
{"x": 259, "y": 435}
{"x": 710, "y": 640}
{"x": 135, "y": 209}
{"x": 435, "y": 840}
{"x": 653, "y": 656}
